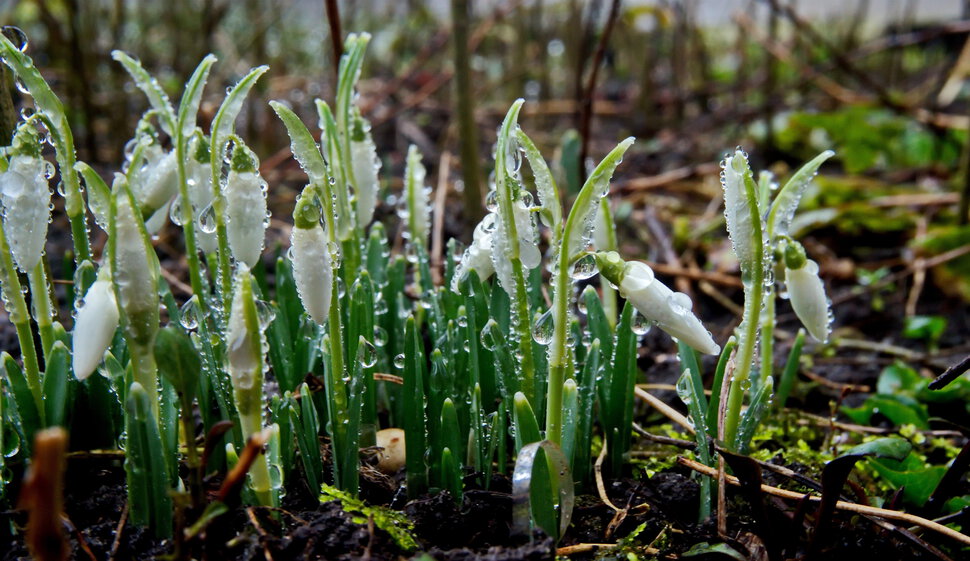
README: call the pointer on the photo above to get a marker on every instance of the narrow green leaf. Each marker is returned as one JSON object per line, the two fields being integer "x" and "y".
{"x": 58, "y": 386}
{"x": 579, "y": 223}
{"x": 413, "y": 410}
{"x": 790, "y": 373}
{"x": 545, "y": 184}
{"x": 525, "y": 427}
{"x": 225, "y": 119}
{"x": 192, "y": 96}
{"x": 147, "y": 471}
{"x": 304, "y": 148}
{"x": 545, "y": 496}
{"x": 157, "y": 97}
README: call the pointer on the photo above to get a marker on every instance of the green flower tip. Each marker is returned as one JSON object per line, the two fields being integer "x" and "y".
{"x": 795, "y": 257}
{"x": 306, "y": 215}
{"x": 243, "y": 159}
{"x": 611, "y": 266}
{"x": 201, "y": 152}
{"x": 26, "y": 141}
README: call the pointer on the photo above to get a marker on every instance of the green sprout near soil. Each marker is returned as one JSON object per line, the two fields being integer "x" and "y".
{"x": 470, "y": 360}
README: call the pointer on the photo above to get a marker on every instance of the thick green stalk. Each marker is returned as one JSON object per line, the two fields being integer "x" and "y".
{"x": 524, "y": 321}
{"x": 188, "y": 223}
{"x": 43, "y": 311}
{"x": 17, "y": 312}
{"x": 753, "y": 280}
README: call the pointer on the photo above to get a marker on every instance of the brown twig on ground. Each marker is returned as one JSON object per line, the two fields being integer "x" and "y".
{"x": 950, "y": 374}
{"x": 665, "y": 178}
{"x": 823, "y": 381}
{"x": 665, "y": 409}
{"x": 840, "y": 505}
{"x": 660, "y": 236}
{"x": 696, "y": 274}
{"x": 919, "y": 270}
{"x": 119, "y": 531}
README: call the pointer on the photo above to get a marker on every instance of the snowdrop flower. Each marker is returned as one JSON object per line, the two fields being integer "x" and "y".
{"x": 26, "y": 199}
{"x": 417, "y": 198}
{"x": 135, "y": 273}
{"x": 199, "y": 178}
{"x": 94, "y": 326}
{"x": 246, "y": 207}
{"x": 312, "y": 262}
{"x": 668, "y": 310}
{"x": 806, "y": 291}
{"x": 366, "y": 164}
{"x": 478, "y": 256}
{"x": 245, "y": 356}
{"x": 157, "y": 184}
{"x": 740, "y": 220}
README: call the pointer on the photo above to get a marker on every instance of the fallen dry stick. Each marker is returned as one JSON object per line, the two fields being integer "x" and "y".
{"x": 841, "y": 505}
{"x": 667, "y": 410}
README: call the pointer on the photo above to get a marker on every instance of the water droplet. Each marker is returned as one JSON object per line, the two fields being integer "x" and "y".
{"x": 367, "y": 354}
{"x": 380, "y": 334}
{"x": 265, "y": 312}
{"x": 399, "y": 361}
{"x": 641, "y": 325}
{"x": 491, "y": 201}
{"x": 679, "y": 303}
{"x": 175, "y": 211}
{"x": 544, "y": 327}
{"x": 584, "y": 267}
{"x": 207, "y": 219}
{"x": 189, "y": 313}
{"x": 16, "y": 36}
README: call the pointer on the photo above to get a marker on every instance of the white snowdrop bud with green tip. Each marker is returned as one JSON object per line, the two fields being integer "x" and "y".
{"x": 734, "y": 173}
{"x": 312, "y": 262}
{"x": 668, "y": 310}
{"x": 94, "y": 325}
{"x": 417, "y": 198}
{"x": 199, "y": 177}
{"x": 366, "y": 164}
{"x": 245, "y": 207}
{"x": 806, "y": 292}
{"x": 478, "y": 256}
{"x": 26, "y": 198}
{"x": 135, "y": 273}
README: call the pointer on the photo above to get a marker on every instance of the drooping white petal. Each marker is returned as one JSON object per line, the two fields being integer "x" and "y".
{"x": 807, "y": 294}
{"x": 668, "y": 310}
{"x": 478, "y": 256}
{"x": 26, "y": 198}
{"x": 246, "y": 215}
{"x": 312, "y": 270}
{"x": 366, "y": 164}
{"x": 158, "y": 183}
{"x": 94, "y": 327}
{"x": 201, "y": 195}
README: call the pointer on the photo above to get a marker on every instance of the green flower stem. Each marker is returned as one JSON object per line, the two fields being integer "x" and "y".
{"x": 188, "y": 222}
{"x": 17, "y": 310}
{"x": 767, "y": 335}
{"x": 145, "y": 372}
{"x": 610, "y": 306}
{"x": 753, "y": 280}
{"x": 523, "y": 325}
{"x": 43, "y": 311}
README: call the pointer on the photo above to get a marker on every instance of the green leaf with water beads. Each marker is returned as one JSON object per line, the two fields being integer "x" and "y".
{"x": 306, "y": 421}
{"x": 688, "y": 360}
{"x": 752, "y": 416}
{"x": 304, "y": 148}
{"x": 192, "y": 96}
{"x": 24, "y": 398}
{"x": 544, "y": 496}
{"x": 524, "y": 424}
{"x": 715, "y": 402}
{"x": 58, "y": 386}
{"x": 692, "y": 395}
{"x": 451, "y": 451}
{"x": 580, "y": 222}
{"x": 146, "y": 467}
{"x": 545, "y": 184}
{"x": 786, "y": 201}
{"x": 481, "y": 363}
{"x": 224, "y": 121}
{"x": 360, "y": 333}
{"x": 157, "y": 97}
{"x": 413, "y": 410}
{"x": 620, "y": 390}
{"x": 178, "y": 361}
{"x": 790, "y": 373}
{"x": 99, "y": 194}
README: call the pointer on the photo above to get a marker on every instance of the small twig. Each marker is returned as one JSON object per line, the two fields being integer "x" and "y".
{"x": 259, "y": 530}
{"x": 823, "y": 381}
{"x": 666, "y": 178}
{"x": 659, "y": 439}
{"x": 659, "y": 235}
{"x": 696, "y": 274}
{"x": 119, "y": 531}
{"x": 919, "y": 271}
{"x": 383, "y": 377}
{"x": 598, "y": 476}
{"x": 175, "y": 283}
{"x": 840, "y": 505}
{"x": 951, "y": 374}
{"x": 667, "y": 410}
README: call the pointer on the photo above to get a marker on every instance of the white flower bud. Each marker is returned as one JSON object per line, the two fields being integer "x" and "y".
{"x": 200, "y": 193}
{"x": 418, "y": 197}
{"x": 158, "y": 183}
{"x": 366, "y": 164}
{"x": 135, "y": 274}
{"x": 807, "y": 294}
{"x": 478, "y": 256}
{"x": 312, "y": 270}
{"x": 244, "y": 356}
{"x": 94, "y": 326}
{"x": 26, "y": 198}
{"x": 246, "y": 215}
{"x": 737, "y": 211}
{"x": 668, "y": 310}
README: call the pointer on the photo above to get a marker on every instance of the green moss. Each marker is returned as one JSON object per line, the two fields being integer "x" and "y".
{"x": 391, "y": 521}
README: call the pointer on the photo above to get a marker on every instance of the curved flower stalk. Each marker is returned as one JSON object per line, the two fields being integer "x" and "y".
{"x": 135, "y": 274}
{"x": 806, "y": 292}
{"x": 246, "y": 214}
{"x": 312, "y": 262}
{"x": 94, "y": 325}
{"x": 26, "y": 198}
{"x": 245, "y": 363}
{"x": 668, "y": 310}
{"x": 365, "y": 167}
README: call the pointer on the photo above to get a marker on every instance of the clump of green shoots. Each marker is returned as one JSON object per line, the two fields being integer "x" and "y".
{"x": 482, "y": 376}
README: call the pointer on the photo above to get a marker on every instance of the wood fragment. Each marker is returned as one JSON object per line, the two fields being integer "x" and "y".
{"x": 840, "y": 505}
{"x": 667, "y": 410}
